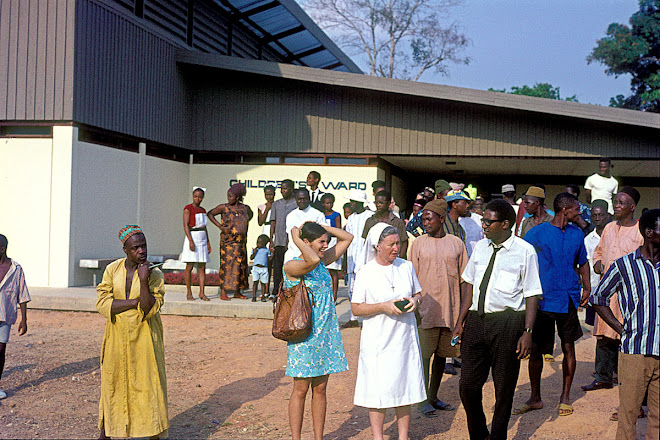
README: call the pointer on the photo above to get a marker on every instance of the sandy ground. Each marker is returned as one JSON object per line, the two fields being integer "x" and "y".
{"x": 226, "y": 381}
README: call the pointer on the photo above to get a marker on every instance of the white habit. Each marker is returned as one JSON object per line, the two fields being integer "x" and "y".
{"x": 390, "y": 371}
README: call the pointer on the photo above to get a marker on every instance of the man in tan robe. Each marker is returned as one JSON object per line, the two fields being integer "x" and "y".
{"x": 619, "y": 238}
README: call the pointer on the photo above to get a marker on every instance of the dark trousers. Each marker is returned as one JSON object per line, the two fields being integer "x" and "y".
{"x": 607, "y": 356}
{"x": 278, "y": 262}
{"x": 489, "y": 343}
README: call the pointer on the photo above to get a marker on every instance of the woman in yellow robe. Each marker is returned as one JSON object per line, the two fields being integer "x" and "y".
{"x": 133, "y": 385}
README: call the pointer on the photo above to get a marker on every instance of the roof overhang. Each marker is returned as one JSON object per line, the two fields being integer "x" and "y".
{"x": 289, "y": 31}
{"x": 420, "y": 89}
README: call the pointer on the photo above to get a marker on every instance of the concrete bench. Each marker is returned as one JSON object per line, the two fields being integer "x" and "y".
{"x": 99, "y": 264}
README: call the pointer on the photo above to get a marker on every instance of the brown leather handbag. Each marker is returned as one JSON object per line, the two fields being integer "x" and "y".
{"x": 292, "y": 320}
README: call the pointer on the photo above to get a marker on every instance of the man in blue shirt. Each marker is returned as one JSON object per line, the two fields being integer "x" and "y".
{"x": 560, "y": 248}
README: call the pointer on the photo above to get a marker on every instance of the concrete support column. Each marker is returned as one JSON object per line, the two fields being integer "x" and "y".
{"x": 59, "y": 260}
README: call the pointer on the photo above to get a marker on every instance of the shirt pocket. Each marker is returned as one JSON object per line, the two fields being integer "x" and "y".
{"x": 507, "y": 281}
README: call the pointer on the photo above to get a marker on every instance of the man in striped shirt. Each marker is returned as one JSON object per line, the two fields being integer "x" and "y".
{"x": 635, "y": 277}
{"x": 13, "y": 290}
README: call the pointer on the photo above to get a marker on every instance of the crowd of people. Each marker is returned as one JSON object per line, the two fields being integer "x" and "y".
{"x": 460, "y": 282}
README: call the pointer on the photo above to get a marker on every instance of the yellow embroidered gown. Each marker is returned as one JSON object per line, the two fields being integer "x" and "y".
{"x": 133, "y": 384}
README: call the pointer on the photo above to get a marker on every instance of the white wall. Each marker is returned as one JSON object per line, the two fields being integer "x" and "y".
{"x": 112, "y": 188}
{"x": 218, "y": 178}
{"x": 25, "y": 188}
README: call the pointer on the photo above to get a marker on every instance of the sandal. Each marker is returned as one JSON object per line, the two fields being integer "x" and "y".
{"x": 204, "y": 297}
{"x": 525, "y": 408}
{"x": 442, "y": 406}
{"x": 428, "y": 411}
{"x": 548, "y": 358}
{"x": 264, "y": 298}
{"x": 565, "y": 409}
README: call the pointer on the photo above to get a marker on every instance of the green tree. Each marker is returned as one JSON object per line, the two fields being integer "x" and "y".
{"x": 634, "y": 50}
{"x": 399, "y": 38}
{"x": 539, "y": 90}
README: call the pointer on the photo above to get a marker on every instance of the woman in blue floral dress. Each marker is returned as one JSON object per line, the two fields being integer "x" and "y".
{"x": 310, "y": 361}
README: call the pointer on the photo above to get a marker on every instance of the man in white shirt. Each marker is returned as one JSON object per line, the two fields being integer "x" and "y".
{"x": 602, "y": 185}
{"x": 296, "y": 218}
{"x": 498, "y": 310}
{"x": 355, "y": 255}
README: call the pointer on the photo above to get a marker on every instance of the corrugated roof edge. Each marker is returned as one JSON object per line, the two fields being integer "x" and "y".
{"x": 315, "y": 30}
{"x": 428, "y": 90}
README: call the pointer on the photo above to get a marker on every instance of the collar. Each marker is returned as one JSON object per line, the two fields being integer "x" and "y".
{"x": 506, "y": 244}
{"x": 12, "y": 269}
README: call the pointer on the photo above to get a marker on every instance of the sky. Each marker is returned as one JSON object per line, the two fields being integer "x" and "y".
{"x": 518, "y": 42}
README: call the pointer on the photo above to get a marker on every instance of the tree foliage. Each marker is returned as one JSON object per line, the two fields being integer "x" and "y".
{"x": 399, "y": 38}
{"x": 539, "y": 90}
{"x": 634, "y": 50}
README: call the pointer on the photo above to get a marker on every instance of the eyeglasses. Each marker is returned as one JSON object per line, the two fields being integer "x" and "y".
{"x": 487, "y": 222}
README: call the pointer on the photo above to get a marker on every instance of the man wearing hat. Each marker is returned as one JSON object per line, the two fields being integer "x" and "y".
{"x": 133, "y": 384}
{"x": 509, "y": 193}
{"x": 619, "y": 238}
{"x": 415, "y": 226}
{"x": 459, "y": 204}
{"x": 355, "y": 257}
{"x": 535, "y": 206}
{"x": 439, "y": 259}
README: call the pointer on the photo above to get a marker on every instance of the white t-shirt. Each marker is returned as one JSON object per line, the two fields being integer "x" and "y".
{"x": 603, "y": 188}
{"x": 298, "y": 218}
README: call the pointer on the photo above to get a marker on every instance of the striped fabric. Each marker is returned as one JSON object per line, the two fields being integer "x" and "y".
{"x": 13, "y": 290}
{"x": 636, "y": 280}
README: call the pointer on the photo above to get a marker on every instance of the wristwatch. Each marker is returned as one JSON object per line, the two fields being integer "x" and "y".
{"x": 528, "y": 330}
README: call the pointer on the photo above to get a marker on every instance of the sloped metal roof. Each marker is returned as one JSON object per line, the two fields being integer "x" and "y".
{"x": 289, "y": 31}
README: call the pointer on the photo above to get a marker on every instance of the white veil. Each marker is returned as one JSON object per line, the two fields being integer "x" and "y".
{"x": 372, "y": 241}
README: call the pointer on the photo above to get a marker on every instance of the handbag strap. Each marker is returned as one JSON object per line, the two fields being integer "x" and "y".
{"x": 302, "y": 280}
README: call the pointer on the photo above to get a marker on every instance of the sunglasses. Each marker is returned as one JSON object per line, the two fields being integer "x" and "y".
{"x": 487, "y": 222}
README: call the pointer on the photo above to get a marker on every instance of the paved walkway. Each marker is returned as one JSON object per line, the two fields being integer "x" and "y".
{"x": 83, "y": 299}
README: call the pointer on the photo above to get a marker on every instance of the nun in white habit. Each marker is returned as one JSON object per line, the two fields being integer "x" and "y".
{"x": 390, "y": 372}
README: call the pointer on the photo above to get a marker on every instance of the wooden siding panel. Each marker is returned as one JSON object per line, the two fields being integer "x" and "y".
{"x": 31, "y": 59}
{"x": 134, "y": 88}
{"x": 5, "y": 28}
{"x": 12, "y": 64}
{"x": 21, "y": 57}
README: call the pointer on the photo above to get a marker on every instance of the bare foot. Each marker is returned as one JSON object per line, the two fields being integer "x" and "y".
{"x": 189, "y": 297}
{"x": 203, "y": 297}
{"x": 224, "y": 297}
{"x": 239, "y": 296}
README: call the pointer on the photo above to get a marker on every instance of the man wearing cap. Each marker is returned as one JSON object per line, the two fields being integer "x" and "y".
{"x": 439, "y": 259}
{"x": 383, "y": 214}
{"x": 602, "y": 185}
{"x": 535, "y": 206}
{"x": 133, "y": 385}
{"x": 498, "y": 310}
{"x": 618, "y": 239}
{"x": 459, "y": 204}
{"x": 416, "y": 226}
{"x": 355, "y": 254}
{"x": 509, "y": 193}
{"x": 559, "y": 245}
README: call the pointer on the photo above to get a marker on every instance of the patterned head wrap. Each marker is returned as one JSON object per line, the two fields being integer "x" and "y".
{"x": 238, "y": 189}
{"x": 128, "y": 231}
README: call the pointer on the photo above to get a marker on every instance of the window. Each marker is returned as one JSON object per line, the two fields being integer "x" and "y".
{"x": 26, "y": 131}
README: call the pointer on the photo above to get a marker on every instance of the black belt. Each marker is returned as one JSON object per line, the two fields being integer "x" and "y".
{"x": 203, "y": 228}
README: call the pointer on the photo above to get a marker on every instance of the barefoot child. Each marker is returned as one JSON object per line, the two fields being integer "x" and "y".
{"x": 261, "y": 255}
{"x": 334, "y": 218}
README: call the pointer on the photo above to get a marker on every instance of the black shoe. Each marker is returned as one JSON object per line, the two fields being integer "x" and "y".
{"x": 457, "y": 363}
{"x": 595, "y": 385}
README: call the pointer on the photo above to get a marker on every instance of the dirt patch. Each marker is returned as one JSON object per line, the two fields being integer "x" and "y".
{"x": 226, "y": 381}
